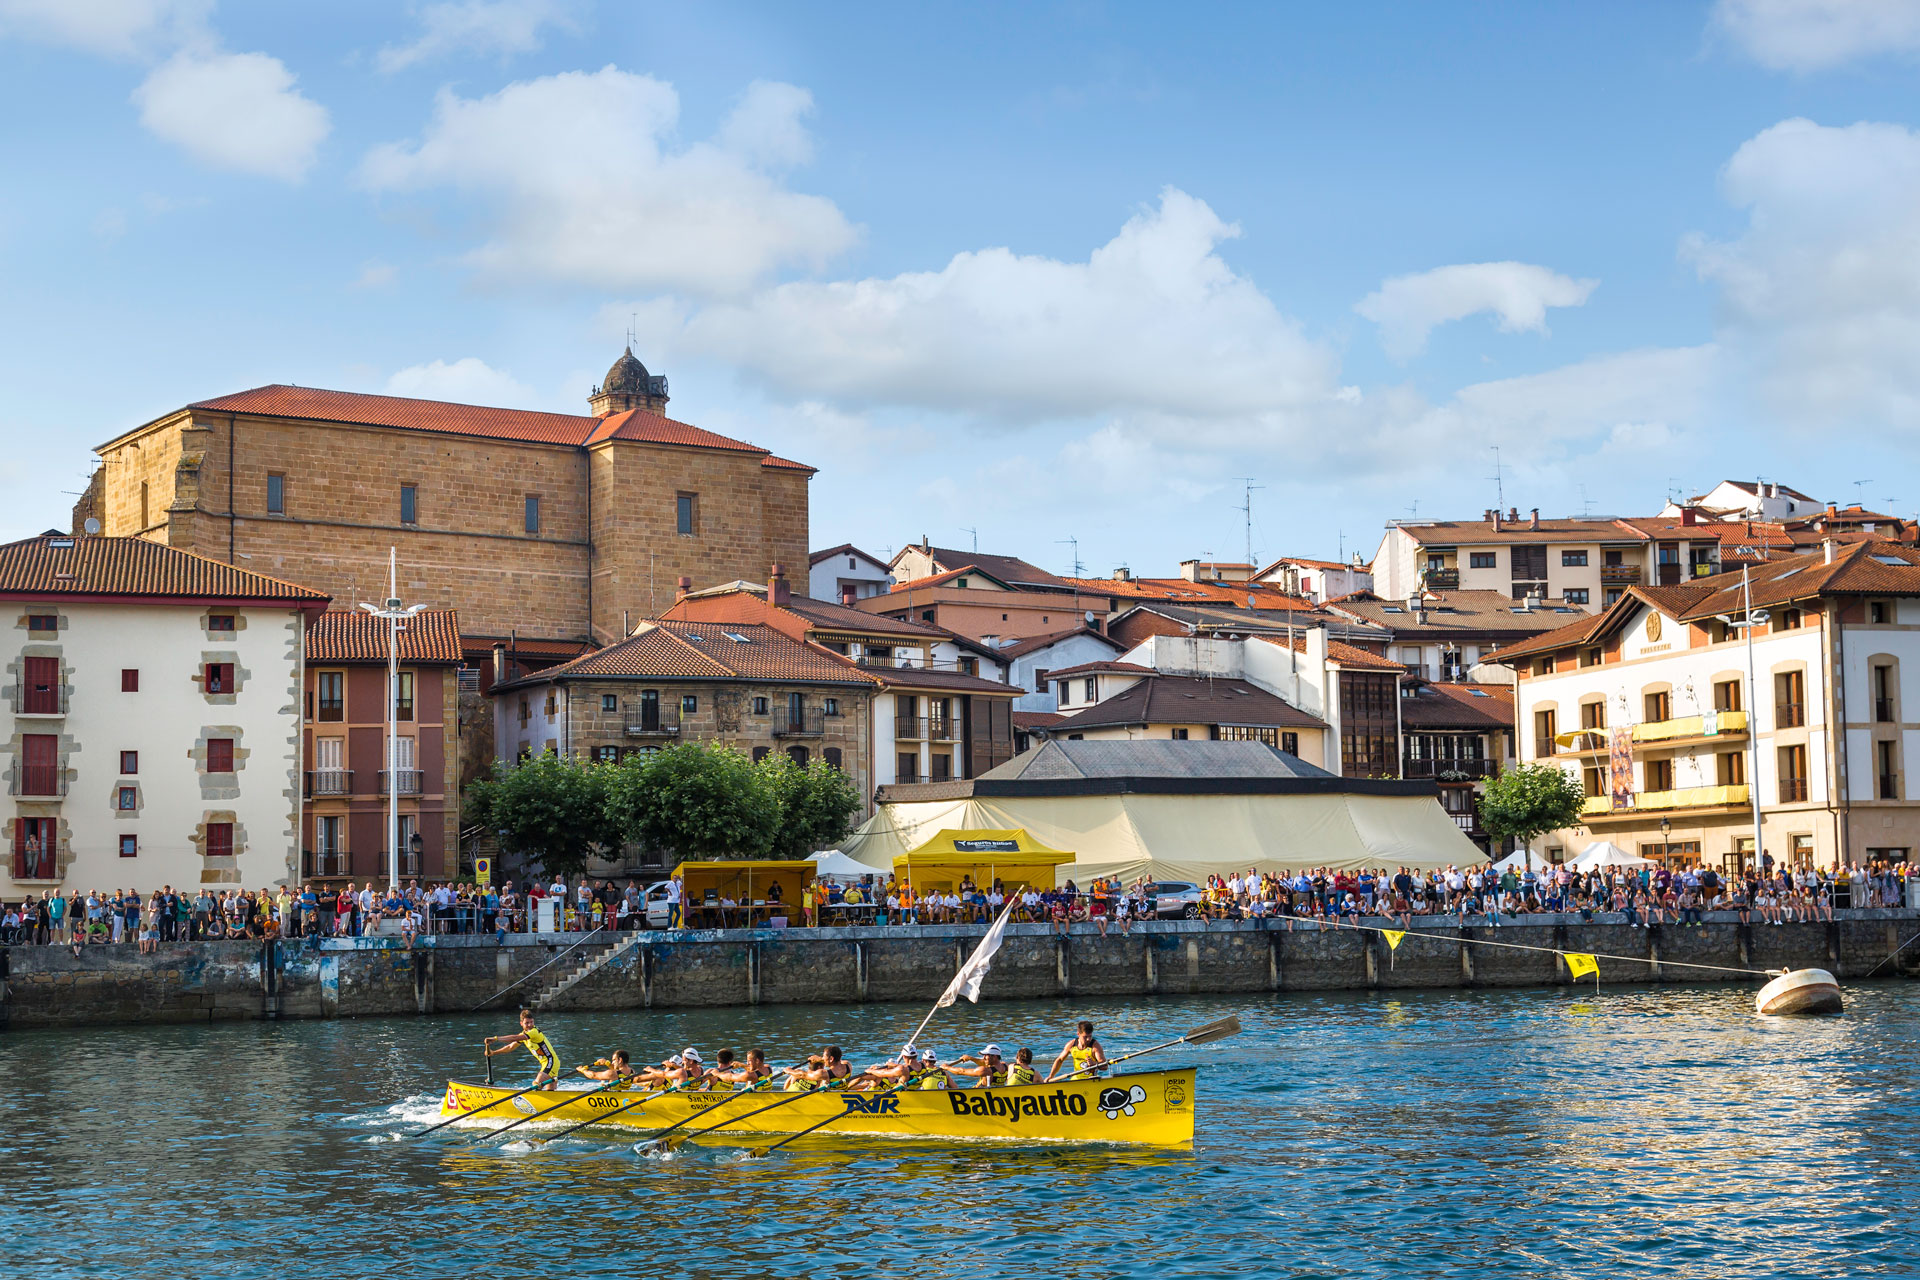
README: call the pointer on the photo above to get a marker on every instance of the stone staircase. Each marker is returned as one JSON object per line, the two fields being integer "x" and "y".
{"x": 586, "y": 965}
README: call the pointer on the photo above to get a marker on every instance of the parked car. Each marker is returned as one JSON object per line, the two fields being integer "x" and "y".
{"x": 1174, "y": 899}
{"x": 654, "y": 906}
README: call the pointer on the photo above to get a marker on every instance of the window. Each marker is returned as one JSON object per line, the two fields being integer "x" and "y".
{"x": 1290, "y": 743}
{"x": 129, "y": 846}
{"x": 1878, "y": 613}
{"x": 219, "y": 677}
{"x": 219, "y": 755}
{"x": 332, "y": 686}
{"x": 523, "y": 711}
{"x": 221, "y": 624}
{"x": 832, "y": 708}
{"x": 1593, "y": 715}
{"x": 926, "y": 615}
{"x": 1793, "y": 774}
{"x": 960, "y": 583}
{"x": 1659, "y": 775}
{"x": 146, "y": 507}
{"x": 1789, "y": 700}
{"x": 276, "y": 494}
{"x": 1790, "y": 620}
{"x": 533, "y": 513}
{"x": 1593, "y": 781}
{"x": 1883, "y": 694}
{"x": 409, "y": 504}
{"x": 1543, "y": 731}
{"x": 129, "y": 762}
{"x": 1529, "y": 565}
{"x": 1802, "y": 850}
{"x": 942, "y": 767}
{"x": 906, "y": 766}
{"x": 1726, "y": 695}
{"x": 42, "y": 622}
{"x": 1089, "y": 687}
{"x": 1657, "y": 706}
{"x": 1575, "y": 595}
{"x": 1730, "y": 769}
{"x": 1886, "y": 759}
{"x": 689, "y": 704}
{"x": 1590, "y": 657}
{"x": 607, "y": 755}
{"x": 41, "y": 676}
{"x": 969, "y": 666}
{"x": 649, "y": 710}
{"x": 553, "y": 703}
{"x": 832, "y": 756}
{"x": 685, "y": 511}
{"x": 1483, "y": 559}
{"x": 129, "y": 679}
{"x": 219, "y": 839}
{"x": 760, "y": 706}
{"x": 609, "y": 702}
{"x": 127, "y": 799}
{"x": 1573, "y": 559}
{"x": 1245, "y": 733}
{"x": 1614, "y": 594}
{"x": 403, "y": 695}
{"x": 1179, "y": 735}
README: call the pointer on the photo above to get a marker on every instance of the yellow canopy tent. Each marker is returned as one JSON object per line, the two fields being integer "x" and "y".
{"x": 751, "y": 884}
{"x": 1006, "y": 854}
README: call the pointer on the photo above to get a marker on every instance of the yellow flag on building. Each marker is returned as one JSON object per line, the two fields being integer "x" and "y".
{"x": 1393, "y": 937}
{"x": 1580, "y": 964}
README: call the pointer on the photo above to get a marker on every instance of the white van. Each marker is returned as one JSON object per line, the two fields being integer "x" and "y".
{"x": 657, "y": 911}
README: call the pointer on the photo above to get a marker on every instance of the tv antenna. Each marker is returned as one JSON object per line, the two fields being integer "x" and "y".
{"x": 1246, "y": 510}
{"x": 976, "y": 539}
{"x": 1499, "y": 481}
{"x": 1075, "y": 544}
{"x": 1860, "y": 494}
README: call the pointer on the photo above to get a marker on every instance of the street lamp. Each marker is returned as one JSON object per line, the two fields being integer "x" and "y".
{"x": 395, "y": 613}
{"x": 1750, "y": 619}
{"x": 1666, "y": 844}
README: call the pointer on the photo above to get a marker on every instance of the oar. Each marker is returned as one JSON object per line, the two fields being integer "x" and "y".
{"x": 605, "y": 1115}
{"x": 758, "y": 1152}
{"x": 571, "y": 1098}
{"x": 1228, "y": 1026}
{"x": 661, "y": 1144}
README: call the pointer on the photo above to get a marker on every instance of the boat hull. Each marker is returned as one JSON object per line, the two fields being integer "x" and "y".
{"x": 1148, "y": 1108}
{"x": 1800, "y": 991}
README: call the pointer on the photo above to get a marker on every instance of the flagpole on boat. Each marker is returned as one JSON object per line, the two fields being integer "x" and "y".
{"x": 967, "y": 981}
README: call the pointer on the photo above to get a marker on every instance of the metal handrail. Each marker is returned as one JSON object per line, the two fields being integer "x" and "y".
{"x": 555, "y": 960}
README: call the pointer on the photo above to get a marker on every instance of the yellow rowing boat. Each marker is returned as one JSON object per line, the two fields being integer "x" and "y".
{"x": 1150, "y": 1108}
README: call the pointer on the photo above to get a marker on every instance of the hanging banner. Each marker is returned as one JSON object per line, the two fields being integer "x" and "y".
{"x": 1620, "y": 767}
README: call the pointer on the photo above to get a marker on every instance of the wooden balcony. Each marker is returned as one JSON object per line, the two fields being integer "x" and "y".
{"x": 1619, "y": 575}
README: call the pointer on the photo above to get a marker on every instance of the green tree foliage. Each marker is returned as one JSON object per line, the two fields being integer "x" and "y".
{"x": 1530, "y": 801}
{"x": 550, "y": 810}
{"x": 817, "y": 803}
{"x": 695, "y": 801}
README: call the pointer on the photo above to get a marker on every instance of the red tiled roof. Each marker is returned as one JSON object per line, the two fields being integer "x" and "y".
{"x": 1310, "y": 563}
{"x": 478, "y": 645}
{"x": 915, "y": 584}
{"x": 1022, "y": 647}
{"x": 844, "y": 549}
{"x": 1037, "y": 719}
{"x": 431, "y": 636}
{"x": 1009, "y": 569}
{"x": 666, "y": 649}
{"x": 654, "y": 428}
{"x": 787, "y": 464}
{"x": 1181, "y": 591}
{"x": 1338, "y": 651}
{"x": 1434, "y": 533}
{"x": 941, "y": 681}
{"x": 1193, "y": 700}
{"x": 1458, "y": 706}
{"x": 55, "y": 564}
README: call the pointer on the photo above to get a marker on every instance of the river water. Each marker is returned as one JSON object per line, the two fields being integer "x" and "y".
{"x": 1544, "y": 1133}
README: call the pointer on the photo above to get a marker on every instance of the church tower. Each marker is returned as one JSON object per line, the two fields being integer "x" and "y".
{"x": 628, "y": 385}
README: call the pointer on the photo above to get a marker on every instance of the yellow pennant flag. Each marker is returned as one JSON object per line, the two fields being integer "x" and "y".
{"x": 1579, "y": 964}
{"x": 1393, "y": 937}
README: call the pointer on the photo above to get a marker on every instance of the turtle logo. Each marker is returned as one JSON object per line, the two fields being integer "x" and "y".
{"x": 523, "y": 1106}
{"x": 1116, "y": 1102}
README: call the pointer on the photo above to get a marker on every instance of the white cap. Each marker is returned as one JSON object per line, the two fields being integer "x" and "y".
{"x": 674, "y": 1058}
{"x": 909, "y": 1052}
{"x": 991, "y": 1051}
{"x": 691, "y": 1055}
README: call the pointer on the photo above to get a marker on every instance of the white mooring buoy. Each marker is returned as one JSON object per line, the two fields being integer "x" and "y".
{"x": 1800, "y": 991}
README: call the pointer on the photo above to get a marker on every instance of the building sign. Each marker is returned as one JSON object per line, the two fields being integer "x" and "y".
{"x": 483, "y": 870}
{"x": 1620, "y": 766}
{"x": 1653, "y": 628}
{"x": 986, "y": 846}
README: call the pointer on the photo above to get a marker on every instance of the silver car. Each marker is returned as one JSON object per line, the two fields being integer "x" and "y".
{"x": 1174, "y": 900}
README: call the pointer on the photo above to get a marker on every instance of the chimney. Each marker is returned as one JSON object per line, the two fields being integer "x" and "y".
{"x": 1123, "y": 574}
{"x": 777, "y": 593}
{"x": 500, "y": 664}
{"x": 926, "y": 545}
{"x": 1488, "y": 515}
{"x": 681, "y": 587}
{"x": 1689, "y": 516}
{"x": 1826, "y": 547}
{"x": 1534, "y": 523}
{"x": 1496, "y": 519}
{"x": 1513, "y": 515}
{"x": 1833, "y": 509}
{"x": 848, "y": 594}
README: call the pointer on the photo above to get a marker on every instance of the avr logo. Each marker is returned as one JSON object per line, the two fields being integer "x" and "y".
{"x": 1119, "y": 1102}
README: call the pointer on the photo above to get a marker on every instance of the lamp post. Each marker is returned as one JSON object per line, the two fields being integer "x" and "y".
{"x": 395, "y": 614}
{"x": 1746, "y": 623}
{"x": 1666, "y": 843}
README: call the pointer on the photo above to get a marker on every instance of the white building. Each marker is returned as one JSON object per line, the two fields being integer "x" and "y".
{"x": 156, "y": 705}
{"x": 1740, "y": 500}
{"x": 844, "y": 572}
{"x": 1651, "y": 704}
{"x": 1029, "y": 660}
{"x": 1317, "y": 580}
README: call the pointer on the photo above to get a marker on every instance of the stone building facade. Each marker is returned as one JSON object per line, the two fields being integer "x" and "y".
{"x": 536, "y": 525}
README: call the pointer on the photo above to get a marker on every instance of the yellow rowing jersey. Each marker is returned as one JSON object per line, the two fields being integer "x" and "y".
{"x": 798, "y": 1084}
{"x": 1020, "y": 1075}
{"x": 1081, "y": 1058}
{"x": 935, "y": 1079}
{"x": 542, "y": 1050}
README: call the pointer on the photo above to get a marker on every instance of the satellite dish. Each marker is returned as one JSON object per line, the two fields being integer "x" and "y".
{"x": 1089, "y": 616}
{"x": 92, "y": 525}
{"x": 1250, "y": 603}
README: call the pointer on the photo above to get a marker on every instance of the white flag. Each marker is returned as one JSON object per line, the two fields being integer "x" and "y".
{"x": 967, "y": 981}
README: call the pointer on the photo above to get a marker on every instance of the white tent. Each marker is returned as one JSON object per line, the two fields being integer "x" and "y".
{"x": 1601, "y": 853}
{"x": 1521, "y": 860}
{"x": 835, "y": 865}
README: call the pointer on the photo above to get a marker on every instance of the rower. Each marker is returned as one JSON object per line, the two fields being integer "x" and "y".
{"x": 750, "y": 1076}
{"x": 803, "y": 1079}
{"x": 1088, "y": 1057}
{"x": 889, "y": 1074}
{"x": 536, "y": 1044}
{"x": 693, "y": 1069}
{"x": 988, "y": 1070}
{"x": 931, "y": 1074}
{"x": 1022, "y": 1072}
{"x": 618, "y": 1069}
{"x": 664, "y": 1076}
{"x": 836, "y": 1068}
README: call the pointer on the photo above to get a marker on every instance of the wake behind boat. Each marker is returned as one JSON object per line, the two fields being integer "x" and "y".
{"x": 1144, "y": 1108}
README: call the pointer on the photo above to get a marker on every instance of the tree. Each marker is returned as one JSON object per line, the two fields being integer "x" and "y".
{"x": 1529, "y": 801}
{"x": 695, "y": 801}
{"x": 816, "y": 801}
{"x": 550, "y": 809}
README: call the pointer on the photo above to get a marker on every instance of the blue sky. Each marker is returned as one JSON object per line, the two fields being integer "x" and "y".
{"x": 1044, "y": 271}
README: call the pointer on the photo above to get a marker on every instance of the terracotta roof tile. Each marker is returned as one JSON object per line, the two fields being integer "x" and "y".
{"x": 942, "y": 681}
{"x": 1027, "y": 644}
{"x": 1191, "y": 700}
{"x": 787, "y": 464}
{"x": 666, "y": 649}
{"x": 55, "y": 564}
{"x": 845, "y": 549}
{"x": 431, "y": 637}
{"x": 1009, "y": 569}
{"x": 1339, "y": 651}
{"x": 1458, "y": 706}
{"x": 1449, "y": 533}
{"x": 655, "y": 428}
{"x": 916, "y": 584}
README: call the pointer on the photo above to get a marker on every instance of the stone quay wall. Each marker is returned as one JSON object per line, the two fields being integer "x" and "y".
{"x": 362, "y": 977}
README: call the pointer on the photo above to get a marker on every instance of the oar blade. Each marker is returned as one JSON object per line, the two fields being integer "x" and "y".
{"x": 1229, "y": 1026}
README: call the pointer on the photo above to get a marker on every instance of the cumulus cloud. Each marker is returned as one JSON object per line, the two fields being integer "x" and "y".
{"x": 1408, "y": 308}
{"x": 479, "y": 27}
{"x": 236, "y": 111}
{"x": 1154, "y": 322}
{"x": 1820, "y": 296}
{"x": 111, "y": 28}
{"x": 469, "y": 380}
{"x": 1813, "y": 35}
{"x": 584, "y": 186}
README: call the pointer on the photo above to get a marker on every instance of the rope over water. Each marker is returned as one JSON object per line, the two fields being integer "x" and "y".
{"x": 1554, "y": 951}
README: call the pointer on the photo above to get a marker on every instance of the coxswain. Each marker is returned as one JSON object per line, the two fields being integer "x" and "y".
{"x": 1022, "y": 1072}
{"x": 536, "y": 1044}
{"x": 988, "y": 1069}
{"x": 619, "y": 1068}
{"x": 1087, "y": 1055}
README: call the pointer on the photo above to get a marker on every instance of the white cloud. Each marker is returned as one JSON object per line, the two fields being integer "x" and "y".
{"x": 111, "y": 28}
{"x": 375, "y": 275}
{"x": 469, "y": 380}
{"x": 1820, "y": 296}
{"x": 479, "y": 27}
{"x": 1813, "y": 35}
{"x": 586, "y": 188}
{"x": 1153, "y": 323}
{"x": 1408, "y": 308}
{"x": 235, "y": 111}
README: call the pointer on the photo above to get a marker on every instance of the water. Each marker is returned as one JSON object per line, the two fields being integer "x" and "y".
{"x": 1537, "y": 1133}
